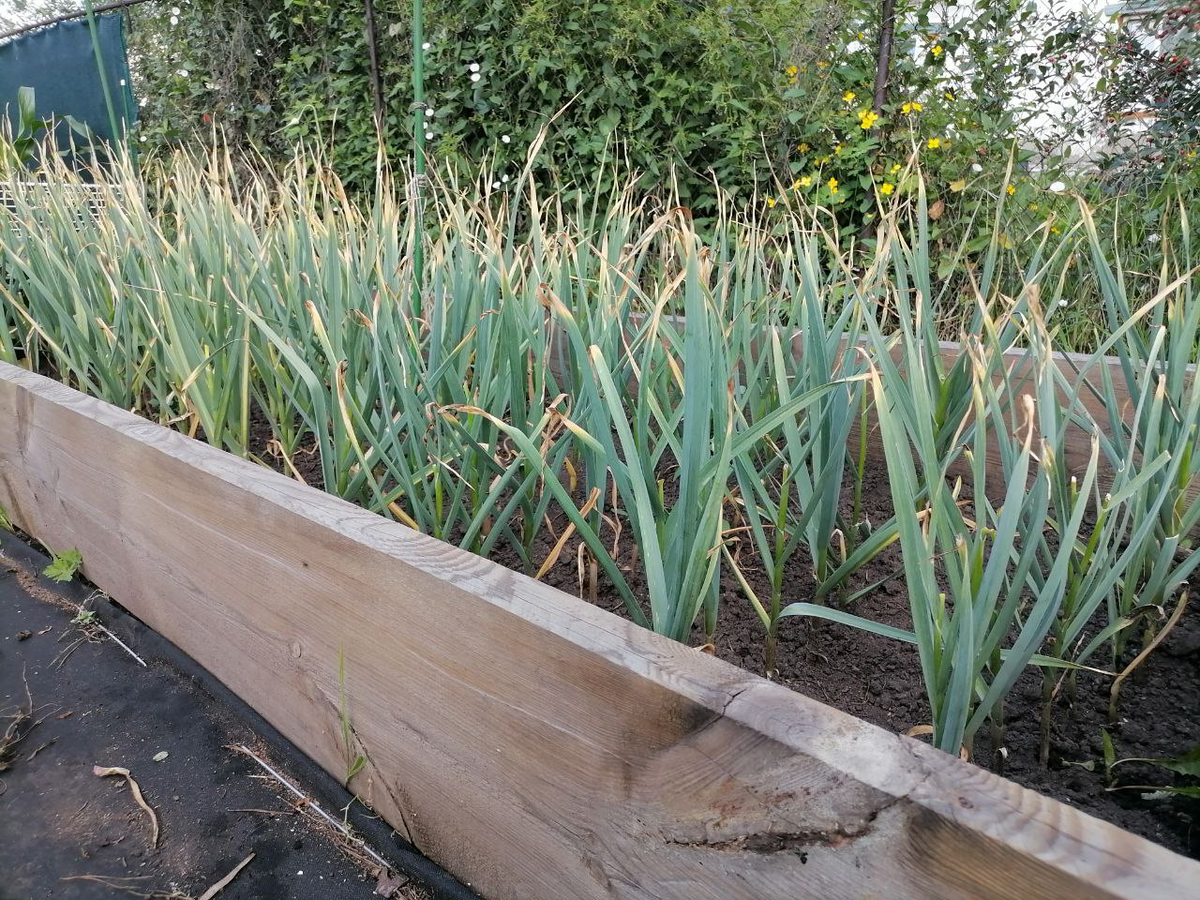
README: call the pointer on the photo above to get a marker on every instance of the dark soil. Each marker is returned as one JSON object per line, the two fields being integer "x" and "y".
{"x": 76, "y": 699}
{"x": 304, "y": 463}
{"x": 879, "y": 680}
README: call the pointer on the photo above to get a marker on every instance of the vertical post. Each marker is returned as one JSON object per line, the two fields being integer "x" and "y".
{"x": 418, "y": 77}
{"x": 883, "y": 62}
{"x": 108, "y": 102}
{"x": 373, "y": 58}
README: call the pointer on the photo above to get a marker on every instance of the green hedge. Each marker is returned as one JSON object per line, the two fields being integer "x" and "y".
{"x": 690, "y": 86}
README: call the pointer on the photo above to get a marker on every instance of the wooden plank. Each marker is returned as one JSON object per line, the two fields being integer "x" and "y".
{"x": 534, "y": 745}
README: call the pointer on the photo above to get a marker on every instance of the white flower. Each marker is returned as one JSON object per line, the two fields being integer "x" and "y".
{"x": 854, "y": 47}
{"x": 429, "y": 113}
{"x": 506, "y": 139}
{"x": 429, "y": 135}
{"x": 474, "y": 67}
{"x": 183, "y": 73}
{"x": 495, "y": 185}
{"x": 174, "y": 20}
{"x": 1058, "y": 187}
{"x": 426, "y": 45}
{"x": 142, "y": 139}
{"x": 504, "y": 179}
{"x": 142, "y": 102}
{"x": 475, "y": 76}
{"x": 1062, "y": 302}
{"x": 976, "y": 167}
{"x": 174, "y": 10}
{"x": 1154, "y": 238}
{"x": 258, "y": 51}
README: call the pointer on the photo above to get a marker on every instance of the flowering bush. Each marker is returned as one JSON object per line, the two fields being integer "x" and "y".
{"x": 950, "y": 95}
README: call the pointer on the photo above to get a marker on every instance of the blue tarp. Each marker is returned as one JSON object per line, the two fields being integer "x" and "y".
{"x": 59, "y": 63}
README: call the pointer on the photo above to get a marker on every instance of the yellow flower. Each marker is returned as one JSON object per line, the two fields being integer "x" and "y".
{"x": 838, "y": 148}
{"x": 1055, "y": 230}
{"x": 1011, "y": 189}
{"x": 866, "y": 119}
{"x": 770, "y": 203}
{"x": 949, "y": 95}
{"x": 933, "y": 143}
{"x": 821, "y": 64}
{"x": 1033, "y": 207}
{"x": 886, "y": 188}
{"x": 936, "y": 51}
{"x": 803, "y": 148}
{"x": 849, "y": 96}
{"x": 823, "y": 160}
{"x": 911, "y": 107}
{"x": 833, "y": 185}
{"x": 792, "y": 71}
{"x": 1191, "y": 154}
{"x": 895, "y": 168}
{"x": 804, "y": 181}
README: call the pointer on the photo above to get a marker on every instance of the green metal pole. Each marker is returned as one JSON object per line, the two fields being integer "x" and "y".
{"x": 418, "y": 46}
{"x": 112, "y": 115}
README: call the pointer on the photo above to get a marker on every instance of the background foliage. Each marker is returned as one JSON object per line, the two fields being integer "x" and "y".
{"x": 695, "y": 83}
{"x": 764, "y": 96}
{"x": 201, "y": 64}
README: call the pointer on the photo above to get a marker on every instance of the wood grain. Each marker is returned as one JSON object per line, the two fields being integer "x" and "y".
{"x": 537, "y": 747}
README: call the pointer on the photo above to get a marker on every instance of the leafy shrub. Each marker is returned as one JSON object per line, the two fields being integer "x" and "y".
{"x": 1151, "y": 93}
{"x": 951, "y": 93}
{"x": 695, "y": 87}
{"x": 200, "y": 64}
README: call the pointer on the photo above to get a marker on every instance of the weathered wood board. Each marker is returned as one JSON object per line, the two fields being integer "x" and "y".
{"x": 537, "y": 747}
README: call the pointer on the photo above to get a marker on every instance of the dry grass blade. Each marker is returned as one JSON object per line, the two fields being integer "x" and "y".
{"x": 224, "y": 882}
{"x": 351, "y": 842}
{"x": 127, "y": 884}
{"x": 553, "y": 555}
{"x": 104, "y": 772}
{"x": 1115, "y": 692}
{"x": 16, "y": 730}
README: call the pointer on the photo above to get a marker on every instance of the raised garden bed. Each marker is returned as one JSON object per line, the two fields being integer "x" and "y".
{"x": 535, "y": 745}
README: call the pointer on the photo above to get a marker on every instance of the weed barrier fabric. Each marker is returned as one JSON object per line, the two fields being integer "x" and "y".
{"x": 60, "y": 64}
